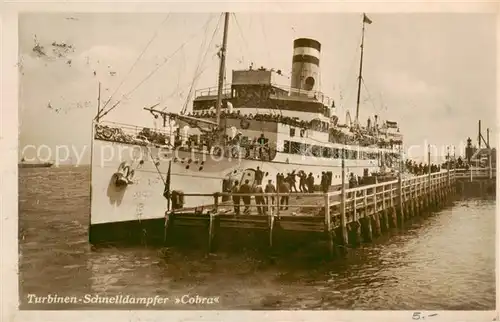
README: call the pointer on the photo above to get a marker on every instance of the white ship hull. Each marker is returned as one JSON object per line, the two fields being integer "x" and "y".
{"x": 190, "y": 172}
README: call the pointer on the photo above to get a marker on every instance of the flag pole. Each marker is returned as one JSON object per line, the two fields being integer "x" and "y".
{"x": 360, "y": 77}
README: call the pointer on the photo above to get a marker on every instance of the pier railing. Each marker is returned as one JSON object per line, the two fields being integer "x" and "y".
{"x": 472, "y": 174}
{"x": 337, "y": 207}
{"x": 339, "y": 215}
{"x": 332, "y": 205}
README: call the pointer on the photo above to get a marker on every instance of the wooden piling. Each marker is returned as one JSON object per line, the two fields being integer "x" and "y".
{"x": 384, "y": 221}
{"x": 375, "y": 220}
{"x": 366, "y": 229}
{"x": 328, "y": 227}
{"x": 408, "y": 209}
{"x": 400, "y": 217}
{"x": 393, "y": 221}
{"x": 400, "y": 213}
{"x": 434, "y": 199}
{"x": 271, "y": 227}
{"x": 211, "y": 232}
{"x": 216, "y": 202}
{"x": 343, "y": 221}
{"x": 354, "y": 233}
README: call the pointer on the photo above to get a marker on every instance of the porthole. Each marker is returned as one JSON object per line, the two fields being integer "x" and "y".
{"x": 309, "y": 83}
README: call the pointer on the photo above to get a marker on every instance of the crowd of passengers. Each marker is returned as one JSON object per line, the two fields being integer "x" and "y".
{"x": 160, "y": 138}
{"x": 265, "y": 117}
{"x": 457, "y": 164}
{"x": 285, "y": 184}
{"x": 256, "y": 148}
{"x": 421, "y": 168}
{"x": 336, "y": 135}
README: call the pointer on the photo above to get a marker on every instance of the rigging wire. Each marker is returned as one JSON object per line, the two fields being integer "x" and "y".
{"x": 166, "y": 59}
{"x": 188, "y": 83}
{"x": 136, "y": 61}
{"x": 259, "y": 105}
{"x": 199, "y": 63}
{"x": 271, "y": 111}
{"x": 183, "y": 110}
{"x": 181, "y": 68}
{"x": 347, "y": 98}
{"x": 184, "y": 85}
{"x": 347, "y": 94}
{"x": 197, "y": 73}
{"x": 242, "y": 36}
{"x": 261, "y": 19}
{"x": 369, "y": 95}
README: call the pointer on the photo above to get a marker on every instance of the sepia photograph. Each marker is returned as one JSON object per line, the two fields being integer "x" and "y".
{"x": 257, "y": 161}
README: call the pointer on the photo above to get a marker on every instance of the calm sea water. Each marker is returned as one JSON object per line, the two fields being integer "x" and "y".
{"x": 443, "y": 262}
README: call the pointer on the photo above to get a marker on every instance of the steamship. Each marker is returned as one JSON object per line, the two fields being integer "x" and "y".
{"x": 232, "y": 132}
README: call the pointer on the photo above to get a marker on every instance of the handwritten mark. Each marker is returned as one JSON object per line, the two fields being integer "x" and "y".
{"x": 419, "y": 316}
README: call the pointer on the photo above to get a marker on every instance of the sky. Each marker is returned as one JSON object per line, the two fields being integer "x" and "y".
{"x": 433, "y": 73}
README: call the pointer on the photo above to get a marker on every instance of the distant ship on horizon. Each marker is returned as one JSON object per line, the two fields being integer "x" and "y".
{"x": 24, "y": 164}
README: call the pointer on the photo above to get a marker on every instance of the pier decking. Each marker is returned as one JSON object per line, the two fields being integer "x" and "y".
{"x": 340, "y": 219}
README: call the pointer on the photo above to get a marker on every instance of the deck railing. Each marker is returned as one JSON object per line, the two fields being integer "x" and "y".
{"x": 287, "y": 92}
{"x": 130, "y": 134}
{"x": 212, "y": 91}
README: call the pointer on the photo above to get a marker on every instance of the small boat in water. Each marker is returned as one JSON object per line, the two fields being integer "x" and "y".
{"x": 24, "y": 164}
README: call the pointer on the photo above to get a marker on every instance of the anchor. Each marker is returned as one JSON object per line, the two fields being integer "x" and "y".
{"x": 124, "y": 175}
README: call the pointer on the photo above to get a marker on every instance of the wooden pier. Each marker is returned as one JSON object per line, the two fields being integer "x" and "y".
{"x": 475, "y": 182}
{"x": 338, "y": 220}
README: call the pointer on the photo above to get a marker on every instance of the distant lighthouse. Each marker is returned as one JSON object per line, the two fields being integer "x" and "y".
{"x": 305, "y": 66}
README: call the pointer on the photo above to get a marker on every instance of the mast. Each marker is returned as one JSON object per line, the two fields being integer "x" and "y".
{"x": 98, "y": 104}
{"x": 368, "y": 21}
{"x": 222, "y": 70}
{"x": 479, "y": 135}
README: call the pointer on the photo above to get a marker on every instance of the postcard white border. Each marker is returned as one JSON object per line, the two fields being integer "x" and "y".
{"x": 9, "y": 157}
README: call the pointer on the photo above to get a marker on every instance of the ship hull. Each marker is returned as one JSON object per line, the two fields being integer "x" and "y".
{"x": 191, "y": 172}
{"x": 133, "y": 232}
